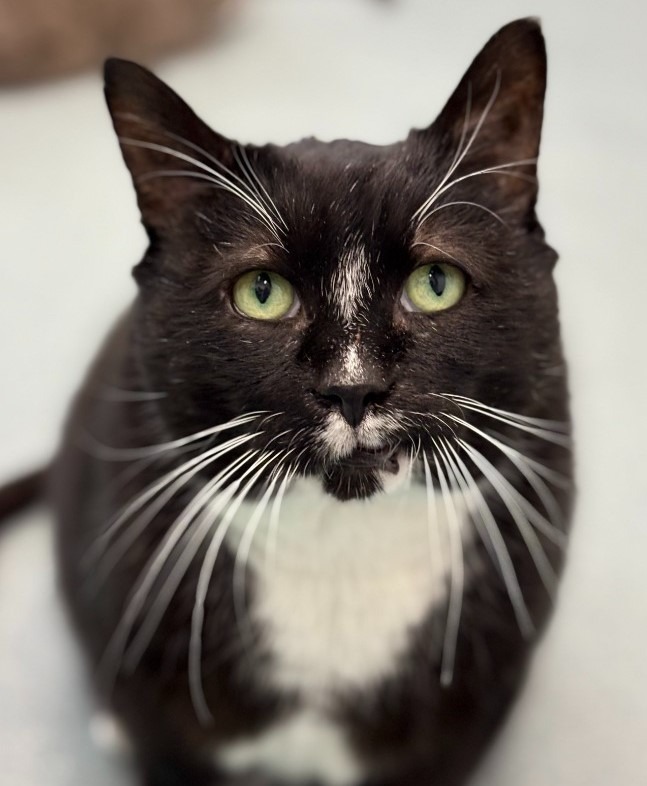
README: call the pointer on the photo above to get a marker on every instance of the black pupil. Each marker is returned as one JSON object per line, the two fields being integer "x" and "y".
{"x": 263, "y": 287}
{"x": 437, "y": 279}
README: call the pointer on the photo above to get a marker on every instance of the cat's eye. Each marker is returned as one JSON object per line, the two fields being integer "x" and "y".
{"x": 433, "y": 288}
{"x": 261, "y": 294}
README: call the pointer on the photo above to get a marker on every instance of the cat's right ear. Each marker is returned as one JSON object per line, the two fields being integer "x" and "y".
{"x": 167, "y": 148}
{"x": 492, "y": 122}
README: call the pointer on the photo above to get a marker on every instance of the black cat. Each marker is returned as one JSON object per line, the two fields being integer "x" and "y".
{"x": 312, "y": 501}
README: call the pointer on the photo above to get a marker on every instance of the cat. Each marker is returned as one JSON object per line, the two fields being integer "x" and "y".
{"x": 313, "y": 498}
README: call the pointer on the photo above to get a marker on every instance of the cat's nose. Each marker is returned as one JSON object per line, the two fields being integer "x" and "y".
{"x": 352, "y": 400}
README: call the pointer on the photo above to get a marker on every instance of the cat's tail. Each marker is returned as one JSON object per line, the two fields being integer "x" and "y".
{"x": 21, "y": 493}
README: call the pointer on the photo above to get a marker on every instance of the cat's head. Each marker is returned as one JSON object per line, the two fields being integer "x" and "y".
{"x": 348, "y": 291}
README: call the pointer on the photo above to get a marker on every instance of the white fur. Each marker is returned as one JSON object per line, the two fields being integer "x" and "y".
{"x": 305, "y": 746}
{"x": 348, "y": 583}
{"x": 339, "y": 439}
{"x": 350, "y": 282}
{"x": 352, "y": 369}
{"x": 109, "y": 735}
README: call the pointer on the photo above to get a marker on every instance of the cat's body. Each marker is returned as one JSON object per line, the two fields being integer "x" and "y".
{"x": 338, "y": 580}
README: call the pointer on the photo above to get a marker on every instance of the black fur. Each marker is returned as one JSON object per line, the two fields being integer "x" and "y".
{"x": 183, "y": 339}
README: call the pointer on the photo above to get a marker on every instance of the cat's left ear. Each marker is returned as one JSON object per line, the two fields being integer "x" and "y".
{"x": 494, "y": 117}
{"x": 170, "y": 152}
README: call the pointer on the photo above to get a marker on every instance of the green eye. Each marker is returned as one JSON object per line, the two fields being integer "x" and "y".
{"x": 433, "y": 288}
{"x": 263, "y": 295}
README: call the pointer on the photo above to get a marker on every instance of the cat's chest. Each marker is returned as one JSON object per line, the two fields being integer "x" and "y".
{"x": 338, "y": 590}
{"x": 338, "y": 585}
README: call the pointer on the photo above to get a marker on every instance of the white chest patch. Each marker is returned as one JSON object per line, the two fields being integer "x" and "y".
{"x": 339, "y": 587}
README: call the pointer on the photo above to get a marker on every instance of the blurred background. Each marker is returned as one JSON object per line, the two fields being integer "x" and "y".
{"x": 276, "y": 70}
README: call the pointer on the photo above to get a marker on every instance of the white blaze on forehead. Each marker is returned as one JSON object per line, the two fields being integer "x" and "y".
{"x": 350, "y": 283}
{"x": 352, "y": 366}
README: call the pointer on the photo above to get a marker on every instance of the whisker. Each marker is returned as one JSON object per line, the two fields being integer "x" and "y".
{"x": 203, "y": 713}
{"x": 521, "y": 462}
{"x": 457, "y": 573}
{"x": 273, "y": 528}
{"x": 433, "y": 515}
{"x": 174, "y": 480}
{"x": 206, "y": 506}
{"x": 553, "y": 476}
{"x": 244, "y": 549}
{"x": 217, "y": 182}
{"x": 547, "y": 434}
{"x": 458, "y": 160}
{"x": 247, "y": 165}
{"x": 109, "y": 453}
{"x": 493, "y": 213}
{"x": 212, "y": 159}
{"x": 217, "y": 177}
{"x": 550, "y": 425}
{"x": 215, "y": 504}
{"x": 111, "y": 661}
{"x": 504, "y": 490}
{"x": 491, "y": 536}
{"x": 436, "y": 248}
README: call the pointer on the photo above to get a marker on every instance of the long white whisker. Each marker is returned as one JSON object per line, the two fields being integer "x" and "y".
{"x": 433, "y": 516}
{"x": 216, "y": 502}
{"x": 218, "y": 178}
{"x": 458, "y": 160}
{"x": 436, "y": 248}
{"x": 267, "y": 198}
{"x": 113, "y": 655}
{"x": 207, "y": 505}
{"x": 457, "y": 575}
{"x": 500, "y": 169}
{"x": 244, "y": 548}
{"x": 548, "y": 425}
{"x": 173, "y": 481}
{"x": 549, "y": 436}
{"x": 273, "y": 528}
{"x": 504, "y": 490}
{"x": 553, "y": 476}
{"x": 204, "y": 580}
{"x": 491, "y": 536}
{"x": 110, "y": 453}
{"x": 520, "y": 461}
{"x": 212, "y": 159}
{"x": 218, "y": 182}
{"x": 464, "y": 202}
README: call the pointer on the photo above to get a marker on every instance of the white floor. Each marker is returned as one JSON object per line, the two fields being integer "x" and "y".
{"x": 69, "y": 234}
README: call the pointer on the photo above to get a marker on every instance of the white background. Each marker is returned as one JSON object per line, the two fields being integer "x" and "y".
{"x": 69, "y": 235}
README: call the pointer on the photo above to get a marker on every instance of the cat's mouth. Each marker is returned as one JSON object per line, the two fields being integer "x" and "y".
{"x": 383, "y": 458}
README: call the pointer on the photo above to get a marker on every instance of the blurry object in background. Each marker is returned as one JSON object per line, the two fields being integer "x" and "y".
{"x": 40, "y": 39}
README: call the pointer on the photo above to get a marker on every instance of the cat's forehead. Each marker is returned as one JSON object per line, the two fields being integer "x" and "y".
{"x": 347, "y": 174}
{"x": 343, "y": 199}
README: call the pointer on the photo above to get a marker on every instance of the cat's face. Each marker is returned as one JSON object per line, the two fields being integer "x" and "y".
{"x": 346, "y": 291}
